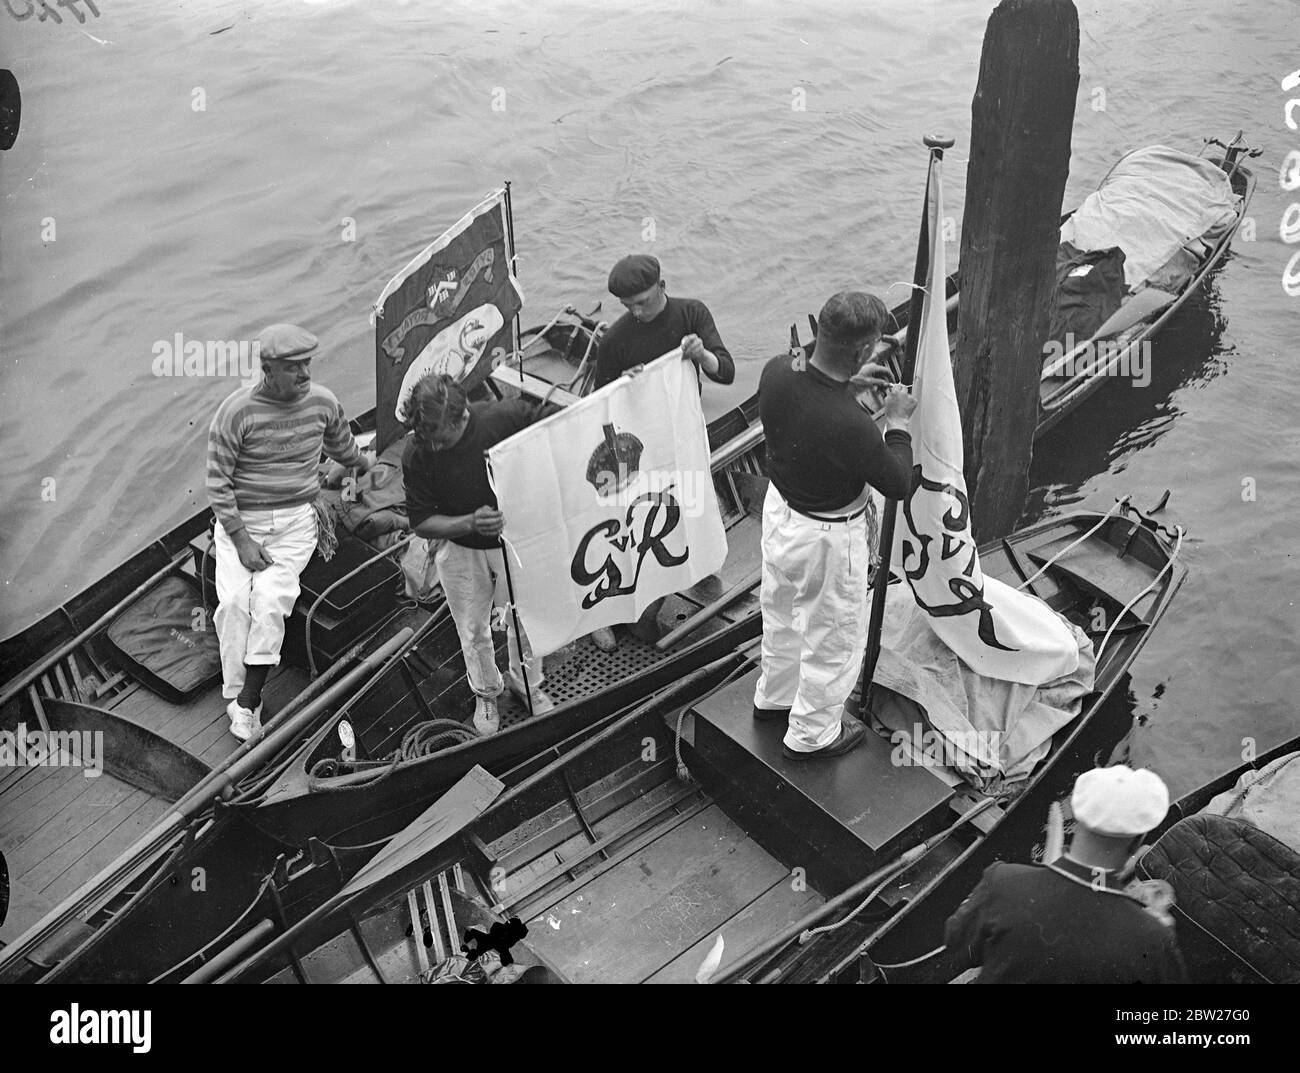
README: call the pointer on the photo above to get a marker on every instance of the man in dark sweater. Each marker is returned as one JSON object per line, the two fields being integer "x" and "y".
{"x": 655, "y": 325}
{"x": 449, "y": 499}
{"x": 824, "y": 456}
{"x": 1072, "y": 921}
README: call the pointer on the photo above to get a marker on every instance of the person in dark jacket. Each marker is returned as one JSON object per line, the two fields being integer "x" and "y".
{"x": 1071, "y": 920}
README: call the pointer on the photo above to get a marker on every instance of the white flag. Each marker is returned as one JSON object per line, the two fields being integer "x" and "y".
{"x": 609, "y": 504}
{"x": 997, "y": 631}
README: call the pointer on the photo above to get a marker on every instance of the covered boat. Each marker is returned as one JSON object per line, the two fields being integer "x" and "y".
{"x": 1131, "y": 255}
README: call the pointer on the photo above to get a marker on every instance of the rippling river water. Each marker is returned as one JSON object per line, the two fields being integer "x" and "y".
{"x": 129, "y": 216}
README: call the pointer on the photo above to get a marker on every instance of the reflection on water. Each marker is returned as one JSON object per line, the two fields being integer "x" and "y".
{"x": 1122, "y": 418}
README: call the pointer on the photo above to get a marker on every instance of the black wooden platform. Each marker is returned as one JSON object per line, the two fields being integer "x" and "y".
{"x": 838, "y": 818}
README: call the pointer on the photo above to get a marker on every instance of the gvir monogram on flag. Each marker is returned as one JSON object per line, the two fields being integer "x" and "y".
{"x": 618, "y": 488}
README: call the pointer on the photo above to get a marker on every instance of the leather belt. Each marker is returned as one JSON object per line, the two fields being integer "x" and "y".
{"x": 827, "y": 518}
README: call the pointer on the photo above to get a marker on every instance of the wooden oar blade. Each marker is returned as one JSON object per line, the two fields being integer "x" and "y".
{"x": 442, "y": 820}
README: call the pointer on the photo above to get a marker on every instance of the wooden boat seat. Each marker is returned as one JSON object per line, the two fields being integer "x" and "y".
{"x": 1102, "y": 572}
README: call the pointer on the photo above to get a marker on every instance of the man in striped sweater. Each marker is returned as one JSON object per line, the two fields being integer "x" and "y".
{"x": 264, "y": 446}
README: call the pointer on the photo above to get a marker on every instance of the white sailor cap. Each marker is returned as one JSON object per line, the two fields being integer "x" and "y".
{"x": 1119, "y": 802}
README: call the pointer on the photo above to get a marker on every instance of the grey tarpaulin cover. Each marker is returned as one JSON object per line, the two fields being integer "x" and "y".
{"x": 1000, "y": 729}
{"x": 1269, "y": 798}
{"x": 1153, "y": 201}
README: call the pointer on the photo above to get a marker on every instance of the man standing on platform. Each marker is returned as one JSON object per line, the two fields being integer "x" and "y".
{"x": 264, "y": 447}
{"x": 824, "y": 455}
{"x": 653, "y": 326}
{"x": 449, "y": 499}
{"x": 1071, "y": 922}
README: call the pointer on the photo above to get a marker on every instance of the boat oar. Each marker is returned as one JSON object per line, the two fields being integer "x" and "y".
{"x": 226, "y": 774}
{"x": 432, "y": 829}
{"x": 709, "y": 610}
{"x": 398, "y": 855}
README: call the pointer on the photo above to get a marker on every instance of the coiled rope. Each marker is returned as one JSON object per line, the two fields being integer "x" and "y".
{"x": 424, "y": 739}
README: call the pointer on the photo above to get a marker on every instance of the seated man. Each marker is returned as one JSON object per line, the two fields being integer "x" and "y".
{"x": 264, "y": 446}
{"x": 1070, "y": 921}
{"x": 448, "y": 498}
{"x": 653, "y": 326}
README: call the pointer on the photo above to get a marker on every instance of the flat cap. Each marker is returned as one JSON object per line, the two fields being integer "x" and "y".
{"x": 633, "y": 274}
{"x": 1119, "y": 802}
{"x": 287, "y": 342}
{"x": 851, "y": 316}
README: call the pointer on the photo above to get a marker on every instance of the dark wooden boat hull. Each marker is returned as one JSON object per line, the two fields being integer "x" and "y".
{"x": 155, "y": 925}
{"x": 515, "y": 833}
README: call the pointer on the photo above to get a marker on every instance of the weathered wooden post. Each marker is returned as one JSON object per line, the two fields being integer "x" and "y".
{"x": 1021, "y": 120}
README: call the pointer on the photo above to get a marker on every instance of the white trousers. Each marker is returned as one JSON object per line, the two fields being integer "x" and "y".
{"x": 813, "y": 598}
{"x": 474, "y": 582}
{"x": 252, "y": 606}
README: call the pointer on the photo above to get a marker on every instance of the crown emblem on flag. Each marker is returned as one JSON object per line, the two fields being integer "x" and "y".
{"x": 615, "y": 462}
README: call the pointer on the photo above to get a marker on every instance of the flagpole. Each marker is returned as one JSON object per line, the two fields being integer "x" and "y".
{"x": 519, "y": 634}
{"x": 510, "y": 241}
{"x": 936, "y": 145}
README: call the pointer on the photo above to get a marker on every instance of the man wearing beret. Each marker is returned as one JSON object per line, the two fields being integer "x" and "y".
{"x": 264, "y": 447}
{"x": 655, "y": 325}
{"x": 824, "y": 456}
{"x": 1071, "y": 921}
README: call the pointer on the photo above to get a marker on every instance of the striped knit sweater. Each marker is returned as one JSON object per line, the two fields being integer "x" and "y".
{"x": 263, "y": 452}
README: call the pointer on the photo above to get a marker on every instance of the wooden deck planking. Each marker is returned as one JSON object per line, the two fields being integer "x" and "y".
{"x": 99, "y": 823}
{"x": 20, "y": 793}
{"x": 67, "y": 815}
{"x": 113, "y": 842}
{"x": 10, "y": 779}
{"x": 644, "y": 913}
{"x": 30, "y": 812}
{"x": 776, "y": 908}
{"x": 643, "y": 805}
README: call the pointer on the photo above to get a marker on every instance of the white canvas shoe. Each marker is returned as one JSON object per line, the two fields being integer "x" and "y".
{"x": 541, "y": 702}
{"x": 487, "y": 720}
{"x": 243, "y": 723}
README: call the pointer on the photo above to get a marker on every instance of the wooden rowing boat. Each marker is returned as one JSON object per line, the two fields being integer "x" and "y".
{"x": 61, "y": 833}
{"x": 626, "y": 864}
{"x": 1068, "y": 380}
{"x": 149, "y": 923}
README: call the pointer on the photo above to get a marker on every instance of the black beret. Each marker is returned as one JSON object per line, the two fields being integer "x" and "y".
{"x": 633, "y": 274}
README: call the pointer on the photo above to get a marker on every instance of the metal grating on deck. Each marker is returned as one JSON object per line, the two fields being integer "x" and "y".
{"x": 581, "y": 669}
